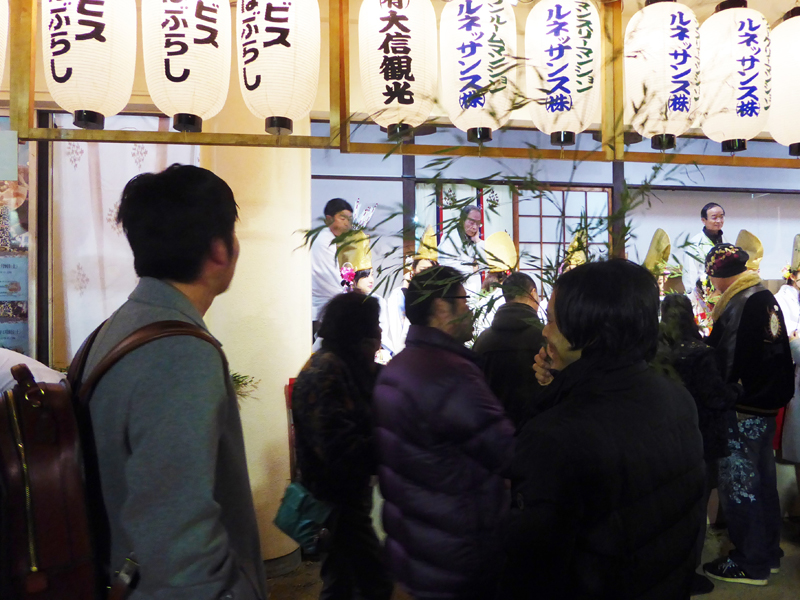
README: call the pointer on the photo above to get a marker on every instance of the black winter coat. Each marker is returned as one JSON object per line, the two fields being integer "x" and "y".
{"x": 444, "y": 448}
{"x": 507, "y": 350}
{"x": 696, "y": 364}
{"x": 607, "y": 494}
{"x": 752, "y": 347}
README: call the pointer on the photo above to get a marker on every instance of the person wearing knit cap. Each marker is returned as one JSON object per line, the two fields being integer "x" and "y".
{"x": 751, "y": 348}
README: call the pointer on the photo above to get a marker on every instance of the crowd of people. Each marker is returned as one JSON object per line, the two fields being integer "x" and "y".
{"x": 565, "y": 457}
{"x": 573, "y": 459}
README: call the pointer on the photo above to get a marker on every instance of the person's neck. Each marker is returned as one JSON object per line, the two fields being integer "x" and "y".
{"x": 198, "y": 294}
{"x": 714, "y": 236}
{"x": 527, "y": 302}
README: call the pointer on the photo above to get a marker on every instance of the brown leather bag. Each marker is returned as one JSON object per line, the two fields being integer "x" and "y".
{"x": 54, "y": 543}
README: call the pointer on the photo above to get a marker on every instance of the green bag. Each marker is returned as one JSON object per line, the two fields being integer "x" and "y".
{"x": 302, "y": 517}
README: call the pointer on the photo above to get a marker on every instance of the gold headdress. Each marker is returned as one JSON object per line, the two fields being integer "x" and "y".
{"x": 753, "y": 246}
{"x": 501, "y": 254}
{"x": 795, "y": 266}
{"x": 354, "y": 250}
{"x": 576, "y": 253}
{"x": 428, "y": 248}
{"x": 657, "y": 258}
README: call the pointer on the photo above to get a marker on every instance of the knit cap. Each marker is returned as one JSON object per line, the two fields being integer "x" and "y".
{"x": 726, "y": 260}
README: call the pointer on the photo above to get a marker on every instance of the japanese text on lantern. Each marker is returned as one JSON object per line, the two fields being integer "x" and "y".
{"x": 471, "y": 93}
{"x": 396, "y": 64}
{"x": 584, "y": 67}
{"x": 748, "y": 102}
{"x": 683, "y": 62}
{"x": 90, "y": 27}
{"x": 274, "y": 31}
{"x": 559, "y": 94}
{"x": 175, "y": 28}
{"x": 499, "y": 64}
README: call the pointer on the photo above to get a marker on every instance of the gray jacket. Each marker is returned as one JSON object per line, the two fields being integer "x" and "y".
{"x": 172, "y": 459}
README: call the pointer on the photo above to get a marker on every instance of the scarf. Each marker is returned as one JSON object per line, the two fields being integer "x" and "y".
{"x": 747, "y": 280}
{"x": 716, "y": 238}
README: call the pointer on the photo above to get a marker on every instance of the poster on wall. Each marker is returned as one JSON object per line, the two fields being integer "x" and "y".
{"x": 14, "y": 246}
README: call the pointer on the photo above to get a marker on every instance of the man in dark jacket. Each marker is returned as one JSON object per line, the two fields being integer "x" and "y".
{"x": 509, "y": 347}
{"x": 444, "y": 444}
{"x": 752, "y": 348}
{"x": 607, "y": 484}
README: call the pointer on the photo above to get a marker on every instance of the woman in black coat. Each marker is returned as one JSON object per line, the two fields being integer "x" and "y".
{"x": 681, "y": 347}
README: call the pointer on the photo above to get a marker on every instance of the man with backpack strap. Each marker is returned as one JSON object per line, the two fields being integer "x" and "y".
{"x": 168, "y": 437}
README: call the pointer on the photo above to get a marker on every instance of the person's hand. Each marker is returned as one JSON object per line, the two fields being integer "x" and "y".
{"x": 794, "y": 335}
{"x": 541, "y": 367}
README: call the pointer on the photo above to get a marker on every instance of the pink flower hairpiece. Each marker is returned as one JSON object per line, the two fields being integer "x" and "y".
{"x": 348, "y": 273}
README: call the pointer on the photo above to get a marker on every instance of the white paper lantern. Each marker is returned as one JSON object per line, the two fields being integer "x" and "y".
{"x": 563, "y": 45}
{"x": 478, "y": 43}
{"x": 784, "y": 119}
{"x": 89, "y": 56}
{"x": 187, "y": 58}
{"x": 734, "y": 75}
{"x": 662, "y": 70}
{"x": 3, "y": 34}
{"x": 278, "y": 46}
{"x": 398, "y": 58}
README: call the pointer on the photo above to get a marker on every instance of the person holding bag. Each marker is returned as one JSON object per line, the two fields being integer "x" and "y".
{"x": 336, "y": 454}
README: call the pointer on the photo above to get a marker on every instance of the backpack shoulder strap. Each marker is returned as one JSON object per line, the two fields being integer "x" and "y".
{"x": 149, "y": 333}
{"x": 78, "y": 364}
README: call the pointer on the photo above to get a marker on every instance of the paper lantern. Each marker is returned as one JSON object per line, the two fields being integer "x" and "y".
{"x": 278, "y": 46}
{"x": 478, "y": 43}
{"x": 89, "y": 56}
{"x": 734, "y": 75}
{"x": 398, "y": 58}
{"x": 3, "y": 34}
{"x": 662, "y": 70}
{"x": 187, "y": 58}
{"x": 562, "y": 45}
{"x": 784, "y": 121}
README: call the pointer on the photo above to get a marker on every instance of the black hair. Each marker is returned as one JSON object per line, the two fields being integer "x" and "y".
{"x": 708, "y": 207}
{"x": 608, "y": 309}
{"x": 677, "y": 320}
{"x": 361, "y": 275}
{"x": 416, "y": 261}
{"x": 171, "y": 218}
{"x": 436, "y": 282}
{"x": 347, "y": 320}
{"x": 335, "y": 206}
{"x": 517, "y": 284}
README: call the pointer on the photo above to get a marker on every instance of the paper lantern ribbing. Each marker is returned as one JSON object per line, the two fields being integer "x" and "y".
{"x": 563, "y": 44}
{"x": 89, "y": 56}
{"x": 279, "y": 51}
{"x": 784, "y": 122}
{"x": 399, "y": 61}
{"x": 3, "y": 34}
{"x": 187, "y": 58}
{"x": 734, "y": 75}
{"x": 478, "y": 43}
{"x": 662, "y": 70}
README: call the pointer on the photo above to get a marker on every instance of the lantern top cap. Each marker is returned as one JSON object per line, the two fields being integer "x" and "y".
{"x": 795, "y": 12}
{"x": 651, "y": 2}
{"x": 730, "y": 4}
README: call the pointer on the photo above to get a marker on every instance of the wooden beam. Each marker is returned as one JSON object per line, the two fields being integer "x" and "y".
{"x": 471, "y": 150}
{"x": 339, "y": 69}
{"x": 713, "y": 161}
{"x": 178, "y": 138}
{"x": 22, "y": 60}
{"x": 613, "y": 80}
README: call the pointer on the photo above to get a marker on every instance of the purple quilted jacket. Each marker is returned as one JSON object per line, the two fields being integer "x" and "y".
{"x": 444, "y": 448}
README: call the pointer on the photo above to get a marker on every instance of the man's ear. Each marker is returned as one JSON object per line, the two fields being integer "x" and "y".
{"x": 440, "y": 310}
{"x": 218, "y": 253}
{"x": 329, "y": 220}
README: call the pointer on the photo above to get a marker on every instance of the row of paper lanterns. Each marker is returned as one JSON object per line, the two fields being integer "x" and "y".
{"x": 731, "y": 75}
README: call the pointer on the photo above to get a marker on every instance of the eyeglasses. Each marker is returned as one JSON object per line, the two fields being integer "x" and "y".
{"x": 455, "y": 297}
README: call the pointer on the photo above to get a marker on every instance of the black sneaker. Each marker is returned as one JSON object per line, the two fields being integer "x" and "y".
{"x": 701, "y": 585}
{"x": 725, "y": 569}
